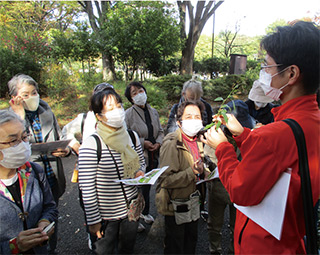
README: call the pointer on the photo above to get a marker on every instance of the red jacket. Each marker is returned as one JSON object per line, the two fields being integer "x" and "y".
{"x": 266, "y": 153}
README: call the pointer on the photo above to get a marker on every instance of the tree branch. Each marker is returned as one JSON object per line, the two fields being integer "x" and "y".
{"x": 182, "y": 16}
{"x": 98, "y": 8}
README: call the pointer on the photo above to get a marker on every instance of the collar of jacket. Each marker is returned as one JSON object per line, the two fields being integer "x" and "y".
{"x": 180, "y": 144}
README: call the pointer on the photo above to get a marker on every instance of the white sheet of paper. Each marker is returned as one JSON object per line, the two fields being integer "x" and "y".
{"x": 269, "y": 214}
{"x": 149, "y": 178}
{"x": 215, "y": 175}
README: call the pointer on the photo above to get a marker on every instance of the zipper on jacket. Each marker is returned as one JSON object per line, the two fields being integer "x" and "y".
{"x": 244, "y": 226}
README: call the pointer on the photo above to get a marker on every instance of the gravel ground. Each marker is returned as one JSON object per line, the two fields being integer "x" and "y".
{"x": 73, "y": 237}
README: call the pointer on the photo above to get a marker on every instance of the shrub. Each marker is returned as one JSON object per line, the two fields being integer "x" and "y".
{"x": 213, "y": 66}
{"x": 14, "y": 63}
{"x": 221, "y": 87}
{"x": 171, "y": 84}
{"x": 58, "y": 82}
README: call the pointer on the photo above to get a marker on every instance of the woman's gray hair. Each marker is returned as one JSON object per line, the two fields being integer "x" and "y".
{"x": 20, "y": 79}
{"x": 9, "y": 115}
{"x": 194, "y": 87}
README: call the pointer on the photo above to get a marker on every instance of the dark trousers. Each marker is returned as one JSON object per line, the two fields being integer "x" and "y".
{"x": 180, "y": 239}
{"x": 145, "y": 189}
{"x": 119, "y": 237}
{"x": 218, "y": 200}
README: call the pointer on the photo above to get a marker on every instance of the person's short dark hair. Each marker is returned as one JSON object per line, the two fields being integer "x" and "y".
{"x": 128, "y": 89}
{"x": 297, "y": 45}
{"x": 183, "y": 106}
{"x": 98, "y": 99}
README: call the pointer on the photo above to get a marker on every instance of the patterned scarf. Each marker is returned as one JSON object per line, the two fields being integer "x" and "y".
{"x": 23, "y": 175}
{"x": 36, "y": 128}
{"x": 119, "y": 140}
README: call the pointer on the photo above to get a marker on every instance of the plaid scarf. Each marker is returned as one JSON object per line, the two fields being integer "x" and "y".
{"x": 36, "y": 129}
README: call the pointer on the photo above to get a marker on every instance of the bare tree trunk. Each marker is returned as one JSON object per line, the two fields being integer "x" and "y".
{"x": 187, "y": 60}
{"x": 96, "y": 23}
{"x": 196, "y": 24}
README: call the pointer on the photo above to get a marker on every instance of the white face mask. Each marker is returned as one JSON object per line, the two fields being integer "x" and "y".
{"x": 260, "y": 105}
{"x": 32, "y": 103}
{"x": 140, "y": 99}
{"x": 115, "y": 118}
{"x": 16, "y": 156}
{"x": 191, "y": 127}
{"x": 265, "y": 80}
{"x": 257, "y": 94}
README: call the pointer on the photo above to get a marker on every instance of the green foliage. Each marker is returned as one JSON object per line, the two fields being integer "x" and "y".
{"x": 171, "y": 84}
{"x": 80, "y": 45}
{"x": 221, "y": 86}
{"x": 244, "y": 45}
{"x": 84, "y": 48}
{"x": 33, "y": 46}
{"x": 13, "y": 63}
{"x": 157, "y": 98}
{"x": 213, "y": 66}
{"x": 223, "y": 109}
{"x": 89, "y": 80}
{"x": 58, "y": 82}
{"x": 62, "y": 46}
{"x": 273, "y": 26}
{"x": 140, "y": 34}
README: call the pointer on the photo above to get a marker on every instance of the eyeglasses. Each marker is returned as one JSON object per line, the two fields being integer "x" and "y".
{"x": 102, "y": 86}
{"x": 264, "y": 65}
{"x": 24, "y": 138}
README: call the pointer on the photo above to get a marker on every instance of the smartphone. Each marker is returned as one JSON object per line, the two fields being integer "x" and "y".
{"x": 48, "y": 228}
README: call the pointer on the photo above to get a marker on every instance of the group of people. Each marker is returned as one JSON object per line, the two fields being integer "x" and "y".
{"x": 251, "y": 154}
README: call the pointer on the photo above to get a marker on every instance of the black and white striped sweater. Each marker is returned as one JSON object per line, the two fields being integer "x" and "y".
{"x": 102, "y": 197}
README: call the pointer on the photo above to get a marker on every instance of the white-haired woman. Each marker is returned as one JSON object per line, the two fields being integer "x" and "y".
{"x": 42, "y": 125}
{"x": 26, "y": 202}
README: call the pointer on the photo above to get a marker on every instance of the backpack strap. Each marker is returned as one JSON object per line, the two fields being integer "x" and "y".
{"x": 305, "y": 187}
{"x": 133, "y": 137}
{"x": 98, "y": 147}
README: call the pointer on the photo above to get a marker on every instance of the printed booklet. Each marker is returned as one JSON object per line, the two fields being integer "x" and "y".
{"x": 149, "y": 178}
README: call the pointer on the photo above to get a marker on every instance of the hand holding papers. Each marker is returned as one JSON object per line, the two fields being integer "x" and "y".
{"x": 214, "y": 174}
{"x": 149, "y": 178}
{"x": 47, "y": 148}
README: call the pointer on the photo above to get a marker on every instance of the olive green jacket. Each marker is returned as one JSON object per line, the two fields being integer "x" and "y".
{"x": 178, "y": 181}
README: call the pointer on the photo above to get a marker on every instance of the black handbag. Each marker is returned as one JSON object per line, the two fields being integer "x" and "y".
{"x": 306, "y": 191}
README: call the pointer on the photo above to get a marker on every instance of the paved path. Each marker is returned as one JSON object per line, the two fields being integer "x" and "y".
{"x": 73, "y": 237}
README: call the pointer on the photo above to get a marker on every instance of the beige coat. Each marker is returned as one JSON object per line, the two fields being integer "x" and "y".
{"x": 178, "y": 181}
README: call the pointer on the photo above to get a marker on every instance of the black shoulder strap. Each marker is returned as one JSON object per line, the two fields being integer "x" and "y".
{"x": 84, "y": 116}
{"x": 98, "y": 147}
{"x": 133, "y": 137}
{"x": 305, "y": 187}
{"x": 119, "y": 176}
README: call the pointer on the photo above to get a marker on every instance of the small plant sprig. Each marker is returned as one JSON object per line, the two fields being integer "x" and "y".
{"x": 223, "y": 109}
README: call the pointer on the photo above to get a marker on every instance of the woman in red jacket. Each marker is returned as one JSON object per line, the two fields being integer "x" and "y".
{"x": 290, "y": 73}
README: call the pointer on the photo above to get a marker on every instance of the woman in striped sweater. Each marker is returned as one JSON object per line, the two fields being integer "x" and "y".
{"x": 104, "y": 200}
